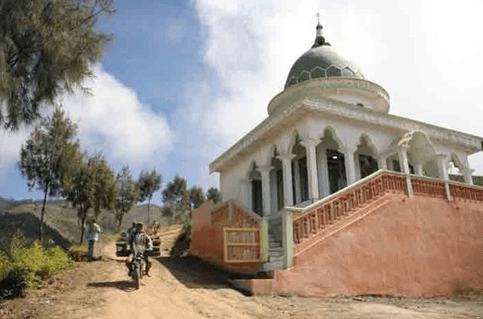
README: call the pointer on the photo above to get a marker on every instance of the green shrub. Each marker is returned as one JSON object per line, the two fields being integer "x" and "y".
{"x": 15, "y": 283}
{"x": 5, "y": 264}
{"x": 58, "y": 260}
{"x": 41, "y": 261}
{"x": 24, "y": 267}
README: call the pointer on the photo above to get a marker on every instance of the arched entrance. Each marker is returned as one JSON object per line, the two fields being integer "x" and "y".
{"x": 276, "y": 182}
{"x": 300, "y": 182}
{"x": 365, "y": 157}
{"x": 332, "y": 175}
{"x": 255, "y": 180}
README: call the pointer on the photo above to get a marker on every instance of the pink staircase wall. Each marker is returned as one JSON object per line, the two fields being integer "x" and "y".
{"x": 207, "y": 240}
{"x": 411, "y": 247}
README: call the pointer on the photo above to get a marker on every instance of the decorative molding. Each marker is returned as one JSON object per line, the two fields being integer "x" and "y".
{"x": 471, "y": 142}
{"x": 310, "y": 142}
{"x": 318, "y": 87}
{"x": 254, "y": 135}
{"x": 336, "y": 108}
{"x": 265, "y": 168}
{"x": 286, "y": 156}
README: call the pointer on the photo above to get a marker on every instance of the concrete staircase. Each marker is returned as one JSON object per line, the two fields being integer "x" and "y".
{"x": 275, "y": 255}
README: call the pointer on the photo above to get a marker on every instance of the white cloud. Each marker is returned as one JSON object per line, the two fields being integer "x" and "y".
{"x": 401, "y": 45}
{"x": 175, "y": 30}
{"x": 113, "y": 120}
{"x": 247, "y": 48}
{"x": 10, "y": 145}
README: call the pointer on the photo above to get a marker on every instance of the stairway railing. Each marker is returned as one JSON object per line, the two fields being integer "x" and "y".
{"x": 322, "y": 213}
{"x": 300, "y": 223}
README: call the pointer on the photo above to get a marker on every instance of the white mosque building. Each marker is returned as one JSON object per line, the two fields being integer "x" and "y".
{"x": 327, "y": 129}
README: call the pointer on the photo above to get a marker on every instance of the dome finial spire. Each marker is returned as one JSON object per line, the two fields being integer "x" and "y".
{"x": 319, "y": 36}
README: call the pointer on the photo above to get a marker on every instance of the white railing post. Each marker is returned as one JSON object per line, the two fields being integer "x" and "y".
{"x": 263, "y": 223}
{"x": 448, "y": 191}
{"x": 409, "y": 186}
{"x": 287, "y": 238}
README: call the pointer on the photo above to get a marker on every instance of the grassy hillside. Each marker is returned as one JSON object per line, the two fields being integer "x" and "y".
{"x": 61, "y": 223}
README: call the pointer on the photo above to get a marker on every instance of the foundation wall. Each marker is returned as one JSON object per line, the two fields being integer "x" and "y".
{"x": 411, "y": 247}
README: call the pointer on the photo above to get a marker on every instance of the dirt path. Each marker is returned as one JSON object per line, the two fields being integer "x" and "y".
{"x": 185, "y": 288}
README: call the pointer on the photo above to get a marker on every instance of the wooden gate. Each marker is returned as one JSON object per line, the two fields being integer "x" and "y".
{"x": 242, "y": 245}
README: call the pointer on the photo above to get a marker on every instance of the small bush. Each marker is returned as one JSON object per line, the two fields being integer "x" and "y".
{"x": 24, "y": 267}
{"x": 15, "y": 283}
{"x": 78, "y": 252}
{"x": 41, "y": 261}
{"x": 5, "y": 264}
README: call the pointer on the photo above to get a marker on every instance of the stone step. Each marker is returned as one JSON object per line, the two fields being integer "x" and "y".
{"x": 275, "y": 253}
{"x": 274, "y": 265}
{"x": 276, "y": 250}
{"x": 275, "y": 258}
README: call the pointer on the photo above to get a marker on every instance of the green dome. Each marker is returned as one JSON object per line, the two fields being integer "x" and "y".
{"x": 320, "y": 62}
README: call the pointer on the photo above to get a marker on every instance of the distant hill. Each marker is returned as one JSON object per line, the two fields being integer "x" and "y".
{"x": 6, "y": 203}
{"x": 61, "y": 222}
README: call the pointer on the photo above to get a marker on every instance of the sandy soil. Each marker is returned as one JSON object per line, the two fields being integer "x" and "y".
{"x": 187, "y": 288}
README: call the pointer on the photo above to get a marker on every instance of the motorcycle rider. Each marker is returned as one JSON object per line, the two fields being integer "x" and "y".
{"x": 139, "y": 241}
{"x": 131, "y": 229}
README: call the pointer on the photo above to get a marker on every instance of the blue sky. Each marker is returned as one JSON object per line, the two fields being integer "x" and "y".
{"x": 183, "y": 80}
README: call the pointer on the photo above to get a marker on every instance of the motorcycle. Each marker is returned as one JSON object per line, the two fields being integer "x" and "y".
{"x": 137, "y": 267}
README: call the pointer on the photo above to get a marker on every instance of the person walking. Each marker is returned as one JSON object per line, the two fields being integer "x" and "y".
{"x": 93, "y": 237}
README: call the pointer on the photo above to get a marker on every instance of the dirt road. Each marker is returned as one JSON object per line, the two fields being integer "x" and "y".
{"x": 185, "y": 288}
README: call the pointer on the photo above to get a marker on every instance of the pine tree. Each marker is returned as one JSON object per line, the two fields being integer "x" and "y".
{"x": 47, "y": 156}
{"x": 47, "y": 47}
{"x": 148, "y": 183}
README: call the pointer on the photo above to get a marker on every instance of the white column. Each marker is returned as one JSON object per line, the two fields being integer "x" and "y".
{"x": 382, "y": 162}
{"x": 390, "y": 165}
{"x": 443, "y": 170}
{"x": 467, "y": 175}
{"x": 287, "y": 178}
{"x": 467, "y": 171}
{"x": 402, "y": 152}
{"x": 350, "y": 169}
{"x": 247, "y": 193}
{"x": 323, "y": 170}
{"x": 266, "y": 198}
{"x": 298, "y": 195}
{"x": 357, "y": 164}
{"x": 419, "y": 169}
{"x": 310, "y": 145}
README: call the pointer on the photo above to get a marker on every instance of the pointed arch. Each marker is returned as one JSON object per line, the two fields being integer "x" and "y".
{"x": 333, "y": 135}
{"x": 457, "y": 162}
{"x": 295, "y": 137}
{"x": 251, "y": 168}
{"x": 365, "y": 138}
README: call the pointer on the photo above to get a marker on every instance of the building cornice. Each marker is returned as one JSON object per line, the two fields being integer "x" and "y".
{"x": 317, "y": 87}
{"x": 471, "y": 143}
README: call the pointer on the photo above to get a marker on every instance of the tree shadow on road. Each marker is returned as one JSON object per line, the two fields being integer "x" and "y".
{"x": 124, "y": 285}
{"x": 195, "y": 273}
